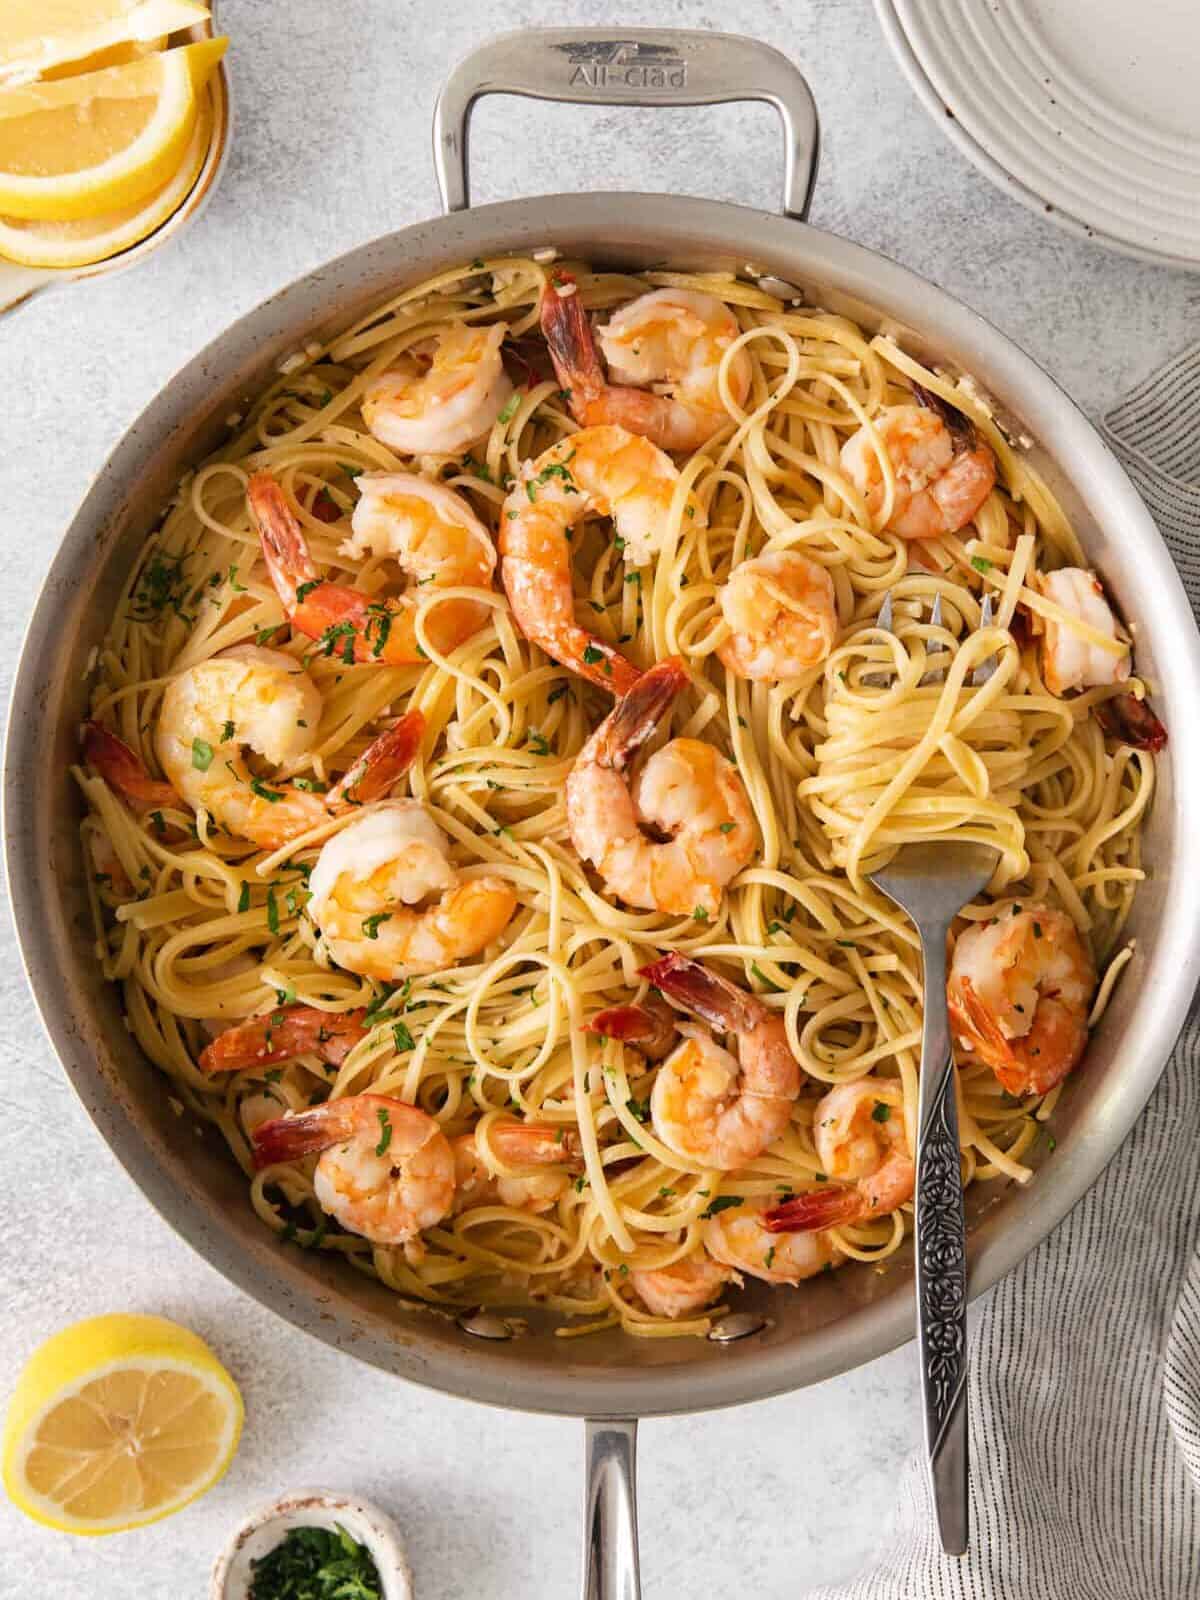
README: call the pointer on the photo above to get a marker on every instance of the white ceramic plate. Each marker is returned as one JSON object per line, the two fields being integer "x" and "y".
{"x": 1086, "y": 110}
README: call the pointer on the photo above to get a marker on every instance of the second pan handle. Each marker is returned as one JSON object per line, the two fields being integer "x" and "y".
{"x": 633, "y": 67}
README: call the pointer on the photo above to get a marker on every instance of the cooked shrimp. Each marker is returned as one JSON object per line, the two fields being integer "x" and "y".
{"x": 603, "y": 472}
{"x": 386, "y": 1169}
{"x": 263, "y": 700}
{"x": 283, "y": 1034}
{"x": 430, "y": 531}
{"x": 651, "y": 1026}
{"x": 517, "y": 1144}
{"x": 673, "y": 339}
{"x": 781, "y": 608}
{"x": 943, "y": 473}
{"x": 740, "y": 1238}
{"x": 682, "y": 1288}
{"x": 440, "y": 407}
{"x": 1068, "y": 660}
{"x": 1020, "y": 989}
{"x": 858, "y": 1129}
{"x": 707, "y": 1105}
{"x": 687, "y": 791}
{"x": 372, "y": 896}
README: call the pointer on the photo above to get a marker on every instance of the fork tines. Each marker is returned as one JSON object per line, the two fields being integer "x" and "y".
{"x": 936, "y": 670}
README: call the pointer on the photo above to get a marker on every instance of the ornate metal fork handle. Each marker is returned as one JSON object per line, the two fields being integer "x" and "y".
{"x": 941, "y": 1259}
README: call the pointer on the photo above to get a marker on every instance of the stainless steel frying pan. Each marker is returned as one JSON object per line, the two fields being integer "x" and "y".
{"x": 784, "y": 1339}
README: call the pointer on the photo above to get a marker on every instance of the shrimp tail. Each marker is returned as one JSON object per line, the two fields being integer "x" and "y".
{"x": 815, "y": 1210}
{"x": 568, "y": 336}
{"x": 303, "y": 1134}
{"x": 638, "y": 713}
{"x": 385, "y": 760}
{"x": 694, "y": 988}
{"x": 968, "y": 1013}
{"x": 285, "y": 550}
{"x": 653, "y": 1032}
{"x": 1131, "y": 721}
{"x": 961, "y": 428}
{"x": 282, "y": 1035}
{"x": 122, "y": 769}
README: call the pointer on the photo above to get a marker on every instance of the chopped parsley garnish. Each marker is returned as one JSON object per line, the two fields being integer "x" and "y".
{"x": 227, "y": 732}
{"x": 202, "y": 755}
{"x": 727, "y": 827}
{"x": 314, "y": 1242}
{"x": 371, "y": 925}
{"x": 699, "y": 914}
{"x": 160, "y": 588}
{"x": 539, "y": 744}
{"x": 982, "y": 564}
{"x": 385, "y": 1130}
{"x": 401, "y": 1036}
{"x": 761, "y": 975}
{"x": 303, "y": 590}
{"x": 510, "y": 407}
{"x": 881, "y": 1112}
{"x": 238, "y": 588}
{"x": 260, "y": 789}
{"x": 379, "y": 624}
{"x": 591, "y": 655}
{"x": 723, "y": 1202}
{"x": 272, "y": 910}
{"x": 244, "y": 898}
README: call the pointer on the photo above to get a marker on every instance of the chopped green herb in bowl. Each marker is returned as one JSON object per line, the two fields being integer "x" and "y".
{"x": 316, "y": 1564}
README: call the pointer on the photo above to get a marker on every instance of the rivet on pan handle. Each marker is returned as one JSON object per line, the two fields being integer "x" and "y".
{"x": 610, "y": 1535}
{"x": 635, "y": 67}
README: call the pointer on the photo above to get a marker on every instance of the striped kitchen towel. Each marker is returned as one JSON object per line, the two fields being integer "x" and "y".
{"x": 1085, "y": 1372}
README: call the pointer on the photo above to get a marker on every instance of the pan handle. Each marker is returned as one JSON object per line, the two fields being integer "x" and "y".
{"x": 635, "y": 67}
{"x": 610, "y": 1536}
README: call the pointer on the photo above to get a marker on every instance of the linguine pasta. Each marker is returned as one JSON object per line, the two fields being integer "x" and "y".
{"x": 859, "y": 754}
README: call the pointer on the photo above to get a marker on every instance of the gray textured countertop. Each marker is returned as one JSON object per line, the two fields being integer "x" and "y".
{"x": 331, "y": 147}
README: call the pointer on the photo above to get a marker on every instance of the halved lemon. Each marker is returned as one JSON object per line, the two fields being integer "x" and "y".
{"x": 79, "y": 147}
{"x": 90, "y": 239}
{"x": 40, "y": 35}
{"x": 116, "y": 1422}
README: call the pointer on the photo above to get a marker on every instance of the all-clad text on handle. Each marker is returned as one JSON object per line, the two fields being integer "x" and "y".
{"x": 633, "y": 67}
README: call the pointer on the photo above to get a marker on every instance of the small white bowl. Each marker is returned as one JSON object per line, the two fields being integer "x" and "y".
{"x": 267, "y": 1527}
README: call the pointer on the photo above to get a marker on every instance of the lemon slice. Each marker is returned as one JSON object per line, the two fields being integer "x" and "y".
{"x": 91, "y": 239}
{"x": 116, "y": 1422}
{"x": 81, "y": 146}
{"x": 37, "y": 35}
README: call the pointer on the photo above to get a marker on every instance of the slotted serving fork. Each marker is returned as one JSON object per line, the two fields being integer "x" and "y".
{"x": 932, "y": 882}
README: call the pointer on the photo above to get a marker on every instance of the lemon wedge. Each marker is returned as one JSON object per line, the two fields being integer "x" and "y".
{"x": 79, "y": 147}
{"x": 91, "y": 239}
{"x": 116, "y": 55}
{"x": 39, "y": 35}
{"x": 116, "y": 1422}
